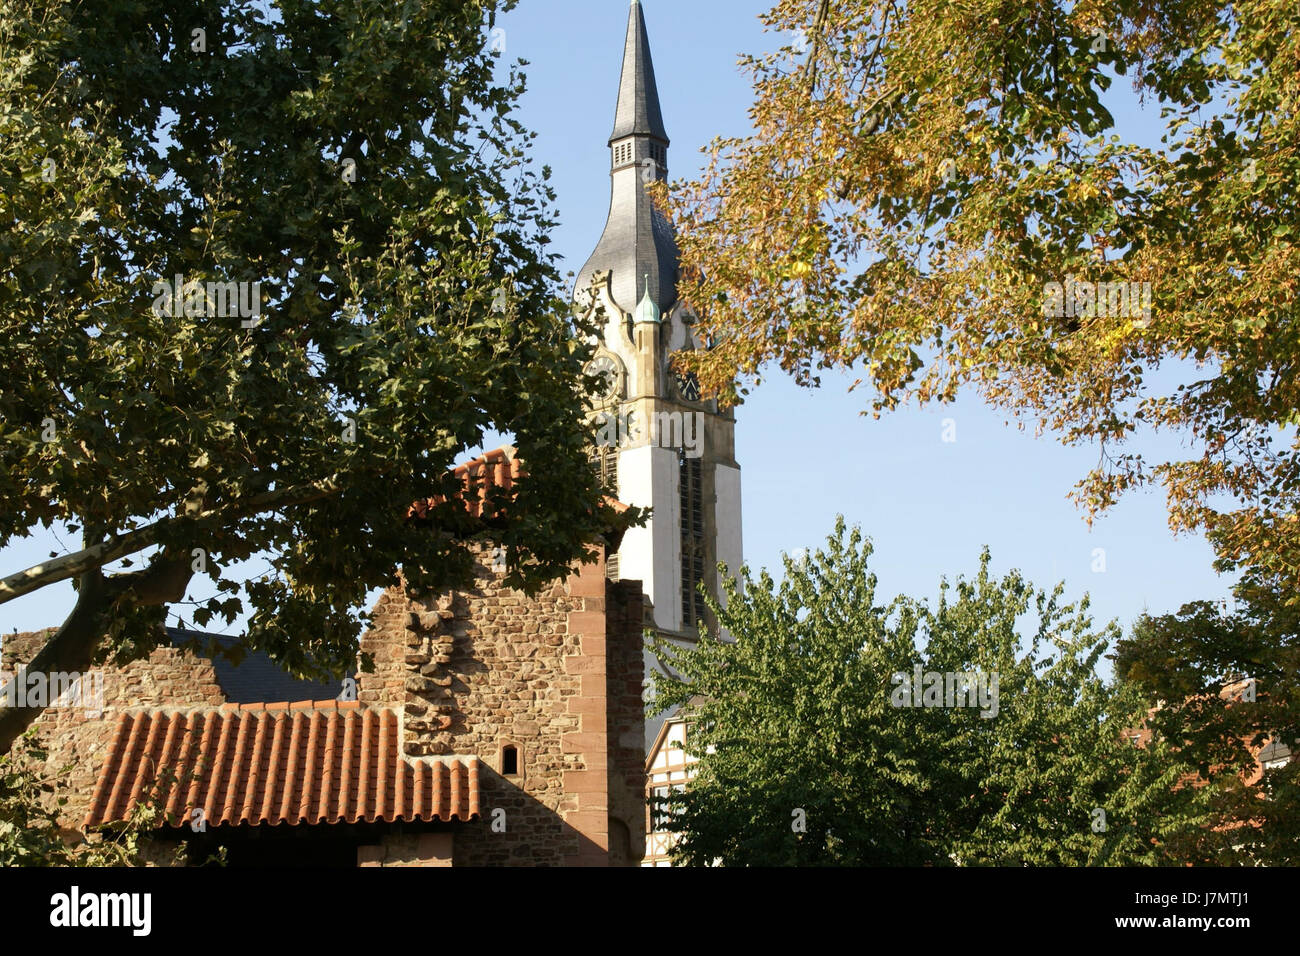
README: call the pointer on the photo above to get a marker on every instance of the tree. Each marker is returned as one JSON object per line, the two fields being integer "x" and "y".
{"x": 934, "y": 197}
{"x": 30, "y": 834}
{"x": 812, "y": 749}
{"x": 1229, "y": 686}
{"x": 265, "y": 270}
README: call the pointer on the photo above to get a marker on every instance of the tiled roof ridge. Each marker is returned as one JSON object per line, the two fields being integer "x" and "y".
{"x": 503, "y": 454}
{"x": 492, "y": 471}
{"x": 320, "y": 705}
{"x": 256, "y": 707}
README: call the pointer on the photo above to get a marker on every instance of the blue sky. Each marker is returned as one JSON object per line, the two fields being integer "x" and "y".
{"x": 806, "y": 456}
{"x": 930, "y": 506}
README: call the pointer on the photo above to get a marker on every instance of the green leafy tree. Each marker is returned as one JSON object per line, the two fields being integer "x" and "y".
{"x": 1228, "y": 682}
{"x": 358, "y": 160}
{"x": 808, "y": 755}
{"x": 936, "y": 195}
{"x": 30, "y": 830}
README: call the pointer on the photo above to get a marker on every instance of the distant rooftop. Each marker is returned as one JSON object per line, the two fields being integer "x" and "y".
{"x": 256, "y": 679}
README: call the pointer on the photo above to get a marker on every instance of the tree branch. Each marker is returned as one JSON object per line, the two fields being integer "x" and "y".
{"x": 70, "y": 650}
{"x": 121, "y": 545}
{"x": 818, "y": 24}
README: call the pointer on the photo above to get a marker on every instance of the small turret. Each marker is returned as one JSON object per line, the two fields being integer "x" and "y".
{"x": 646, "y": 310}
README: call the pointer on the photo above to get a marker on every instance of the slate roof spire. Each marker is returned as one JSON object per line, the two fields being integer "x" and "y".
{"x": 638, "y": 98}
{"x": 637, "y": 241}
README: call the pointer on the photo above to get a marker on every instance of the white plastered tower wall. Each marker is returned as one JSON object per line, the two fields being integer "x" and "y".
{"x": 675, "y": 453}
{"x": 647, "y": 478}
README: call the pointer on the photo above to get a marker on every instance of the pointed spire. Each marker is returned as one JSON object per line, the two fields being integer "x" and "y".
{"x": 637, "y": 237}
{"x": 638, "y": 98}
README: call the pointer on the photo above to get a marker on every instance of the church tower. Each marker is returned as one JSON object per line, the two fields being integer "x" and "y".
{"x": 661, "y": 446}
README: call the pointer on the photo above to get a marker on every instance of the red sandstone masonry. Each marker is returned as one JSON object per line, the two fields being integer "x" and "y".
{"x": 476, "y": 669}
{"x": 424, "y": 849}
{"x": 590, "y": 815}
{"x": 625, "y": 717}
{"x": 471, "y": 670}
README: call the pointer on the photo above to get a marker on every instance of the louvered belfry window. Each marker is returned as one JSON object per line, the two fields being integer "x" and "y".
{"x": 604, "y": 460}
{"x": 692, "y": 532}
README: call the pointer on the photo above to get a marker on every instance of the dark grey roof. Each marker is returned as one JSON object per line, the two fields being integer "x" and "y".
{"x": 638, "y": 241}
{"x": 655, "y": 723}
{"x": 1275, "y": 750}
{"x": 256, "y": 679}
{"x": 638, "y": 98}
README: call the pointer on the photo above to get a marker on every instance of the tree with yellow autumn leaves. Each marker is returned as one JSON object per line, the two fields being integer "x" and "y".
{"x": 934, "y": 195}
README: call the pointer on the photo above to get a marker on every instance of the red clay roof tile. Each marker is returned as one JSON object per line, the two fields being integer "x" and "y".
{"x": 489, "y": 474}
{"x": 492, "y": 473}
{"x": 332, "y": 762}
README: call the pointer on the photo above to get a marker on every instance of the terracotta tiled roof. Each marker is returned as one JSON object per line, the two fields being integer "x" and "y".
{"x": 322, "y": 762}
{"x": 486, "y": 475}
{"x": 489, "y": 474}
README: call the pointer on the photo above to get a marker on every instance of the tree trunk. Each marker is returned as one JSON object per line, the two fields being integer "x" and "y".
{"x": 70, "y": 650}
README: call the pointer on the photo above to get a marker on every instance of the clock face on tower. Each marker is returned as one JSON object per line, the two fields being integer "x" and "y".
{"x": 688, "y": 386}
{"x": 607, "y": 369}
